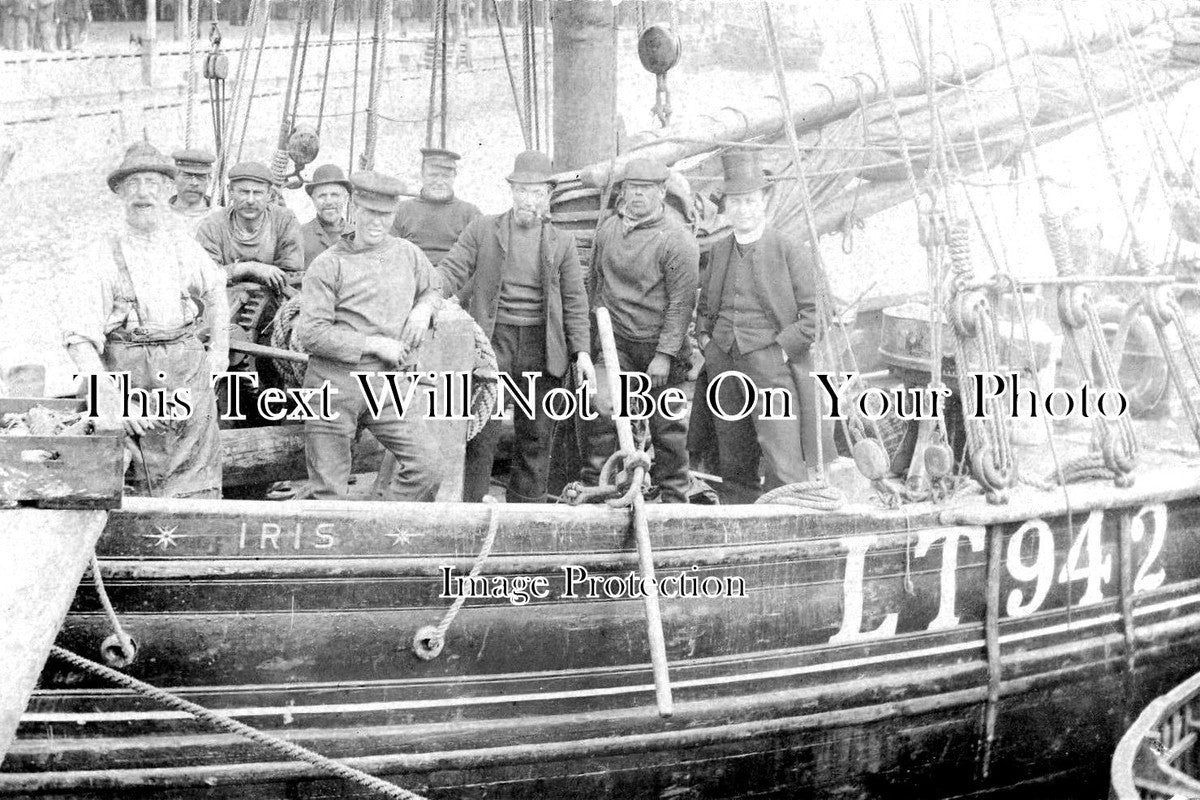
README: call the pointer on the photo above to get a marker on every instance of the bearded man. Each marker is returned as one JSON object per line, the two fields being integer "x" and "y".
{"x": 435, "y": 220}
{"x": 329, "y": 191}
{"x": 147, "y": 291}
{"x": 529, "y": 298}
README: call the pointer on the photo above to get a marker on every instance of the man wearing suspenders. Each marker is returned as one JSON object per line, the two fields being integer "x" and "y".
{"x": 146, "y": 294}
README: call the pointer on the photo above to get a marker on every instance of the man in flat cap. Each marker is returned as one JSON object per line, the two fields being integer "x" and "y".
{"x": 529, "y": 298}
{"x": 191, "y": 202}
{"x": 148, "y": 298}
{"x": 365, "y": 305}
{"x": 758, "y": 317}
{"x": 329, "y": 191}
{"x": 251, "y": 238}
{"x": 434, "y": 221}
{"x": 645, "y": 268}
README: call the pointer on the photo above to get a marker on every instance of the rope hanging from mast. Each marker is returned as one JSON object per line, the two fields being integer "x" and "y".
{"x": 358, "y": 14}
{"x": 512, "y": 80}
{"x": 383, "y": 15}
{"x": 189, "y": 129}
{"x": 328, "y": 62}
{"x": 1075, "y": 308}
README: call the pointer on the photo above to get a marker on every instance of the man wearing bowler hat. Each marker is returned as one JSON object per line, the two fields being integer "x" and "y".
{"x": 758, "y": 317}
{"x": 365, "y": 305}
{"x": 434, "y": 221}
{"x": 251, "y": 238}
{"x": 529, "y": 298}
{"x": 645, "y": 268}
{"x": 151, "y": 304}
{"x": 191, "y": 202}
{"x": 329, "y": 191}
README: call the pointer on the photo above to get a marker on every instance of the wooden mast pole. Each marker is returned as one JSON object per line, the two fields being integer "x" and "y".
{"x": 585, "y": 82}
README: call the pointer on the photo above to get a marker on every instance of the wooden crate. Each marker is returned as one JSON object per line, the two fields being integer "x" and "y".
{"x": 61, "y": 471}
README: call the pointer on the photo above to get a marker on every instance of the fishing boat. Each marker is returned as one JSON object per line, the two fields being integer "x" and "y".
{"x": 1156, "y": 758}
{"x": 949, "y": 632}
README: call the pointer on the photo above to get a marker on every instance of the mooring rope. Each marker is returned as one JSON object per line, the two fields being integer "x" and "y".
{"x": 287, "y": 749}
{"x": 428, "y": 641}
{"x": 125, "y": 643}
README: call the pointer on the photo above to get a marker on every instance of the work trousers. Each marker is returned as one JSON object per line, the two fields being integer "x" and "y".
{"x": 777, "y": 445}
{"x": 669, "y": 470}
{"x": 327, "y": 443}
{"x": 518, "y": 349}
{"x": 183, "y": 457}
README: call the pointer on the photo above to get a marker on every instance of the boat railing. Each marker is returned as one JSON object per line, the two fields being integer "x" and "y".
{"x": 1158, "y": 757}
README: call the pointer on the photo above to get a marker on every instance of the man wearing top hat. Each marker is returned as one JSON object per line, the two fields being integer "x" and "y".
{"x": 149, "y": 298}
{"x": 329, "y": 191}
{"x": 758, "y": 317}
{"x": 645, "y": 268}
{"x": 529, "y": 298}
{"x": 365, "y": 305}
{"x": 191, "y": 202}
{"x": 434, "y": 221}
{"x": 251, "y": 238}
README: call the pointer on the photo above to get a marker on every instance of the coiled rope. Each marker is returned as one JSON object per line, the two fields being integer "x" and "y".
{"x": 429, "y": 640}
{"x": 227, "y": 724}
{"x": 816, "y": 495}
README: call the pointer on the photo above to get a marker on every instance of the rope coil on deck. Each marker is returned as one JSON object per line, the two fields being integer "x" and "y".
{"x": 816, "y": 495}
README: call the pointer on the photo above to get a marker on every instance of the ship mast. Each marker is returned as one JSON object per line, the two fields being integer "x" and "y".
{"x": 585, "y": 82}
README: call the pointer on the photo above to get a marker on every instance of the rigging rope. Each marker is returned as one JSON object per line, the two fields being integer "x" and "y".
{"x": 189, "y": 130}
{"x": 328, "y": 61}
{"x": 383, "y": 15}
{"x": 264, "y": 22}
{"x": 512, "y": 79}
{"x": 358, "y": 13}
{"x": 1074, "y": 306}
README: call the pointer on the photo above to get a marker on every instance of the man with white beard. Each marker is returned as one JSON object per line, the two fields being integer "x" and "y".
{"x": 147, "y": 294}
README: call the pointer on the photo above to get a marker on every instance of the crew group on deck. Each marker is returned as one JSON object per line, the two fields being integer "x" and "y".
{"x": 372, "y": 270}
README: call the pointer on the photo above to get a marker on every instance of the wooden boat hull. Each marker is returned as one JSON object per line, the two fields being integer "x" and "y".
{"x": 854, "y": 665}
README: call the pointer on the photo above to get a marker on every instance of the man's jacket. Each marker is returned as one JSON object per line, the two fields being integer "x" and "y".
{"x": 476, "y": 261}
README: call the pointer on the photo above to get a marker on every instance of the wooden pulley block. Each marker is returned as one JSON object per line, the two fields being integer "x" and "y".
{"x": 303, "y": 145}
{"x": 659, "y": 48}
{"x": 939, "y": 461}
{"x": 871, "y": 460}
{"x": 216, "y": 63}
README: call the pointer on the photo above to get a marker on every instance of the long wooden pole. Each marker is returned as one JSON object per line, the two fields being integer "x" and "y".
{"x": 641, "y": 530}
{"x": 821, "y": 103}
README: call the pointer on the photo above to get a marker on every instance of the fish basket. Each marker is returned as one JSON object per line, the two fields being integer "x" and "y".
{"x": 53, "y": 456}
